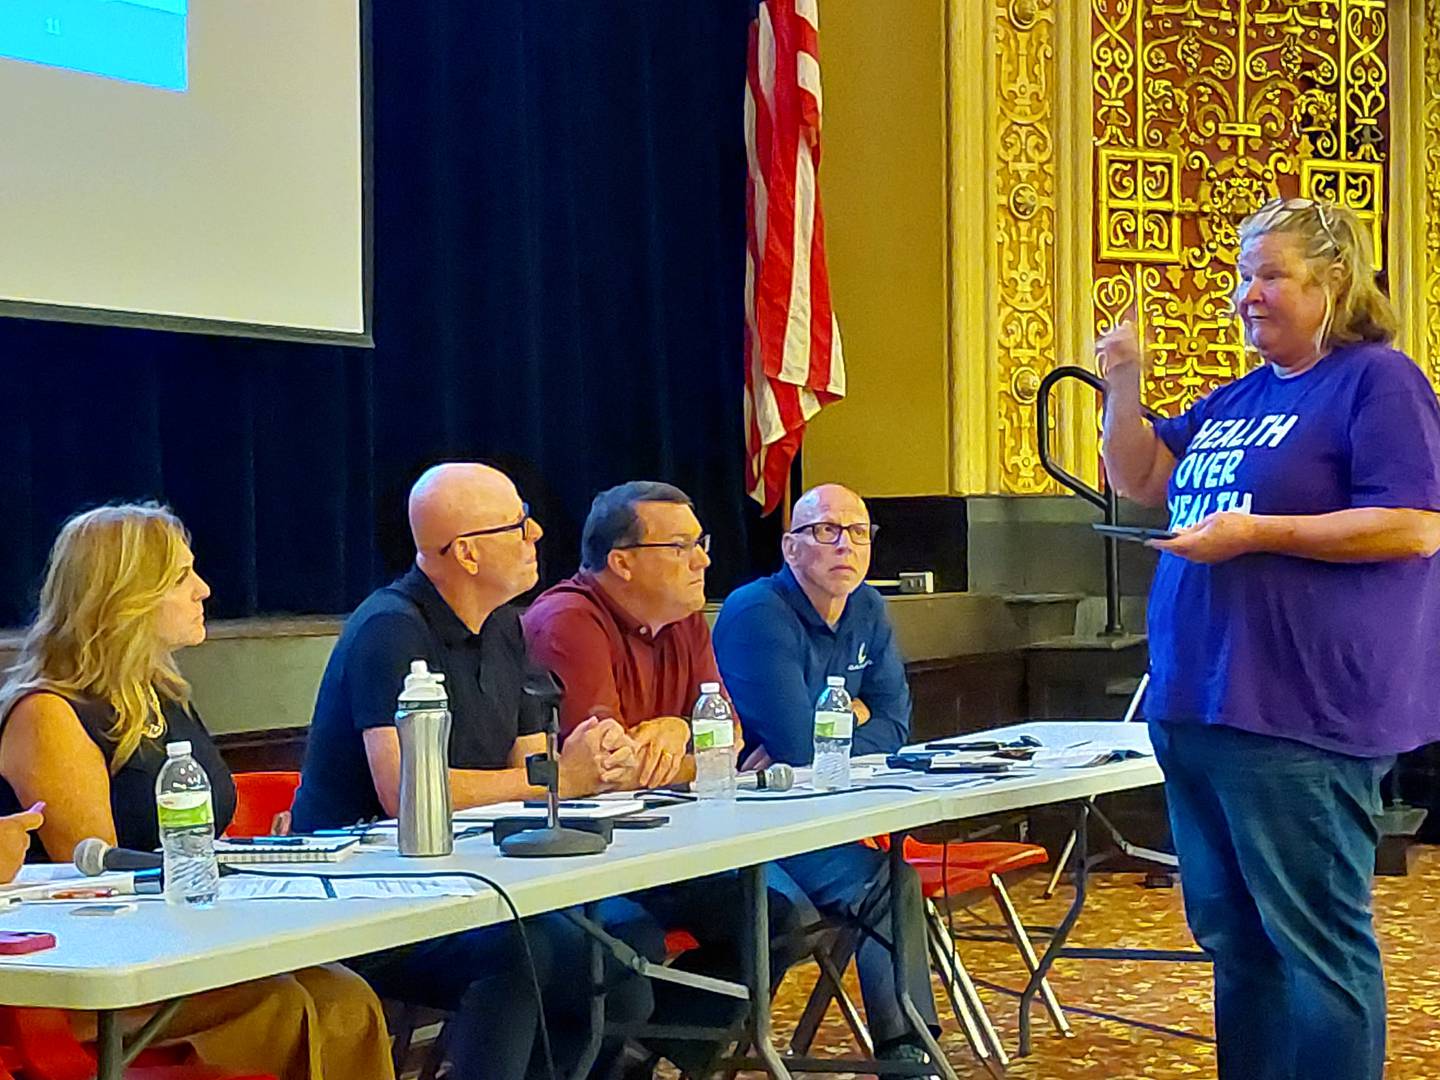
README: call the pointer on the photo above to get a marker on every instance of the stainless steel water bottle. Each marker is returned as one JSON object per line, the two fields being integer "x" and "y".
{"x": 423, "y": 720}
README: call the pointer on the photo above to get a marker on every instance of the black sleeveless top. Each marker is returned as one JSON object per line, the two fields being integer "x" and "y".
{"x": 132, "y": 789}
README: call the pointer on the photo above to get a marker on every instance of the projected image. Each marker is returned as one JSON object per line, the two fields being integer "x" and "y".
{"x": 137, "y": 41}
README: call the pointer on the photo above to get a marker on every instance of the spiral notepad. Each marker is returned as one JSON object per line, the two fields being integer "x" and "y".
{"x": 285, "y": 849}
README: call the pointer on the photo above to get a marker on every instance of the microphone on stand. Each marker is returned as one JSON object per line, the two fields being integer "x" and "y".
{"x": 543, "y": 770}
{"x": 776, "y": 777}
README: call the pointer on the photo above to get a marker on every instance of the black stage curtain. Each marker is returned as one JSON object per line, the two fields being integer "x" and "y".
{"x": 559, "y": 246}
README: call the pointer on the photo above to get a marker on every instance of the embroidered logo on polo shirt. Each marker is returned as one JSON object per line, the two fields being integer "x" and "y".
{"x": 862, "y": 661}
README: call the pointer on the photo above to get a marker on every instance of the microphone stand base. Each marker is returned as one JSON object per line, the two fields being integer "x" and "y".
{"x": 552, "y": 842}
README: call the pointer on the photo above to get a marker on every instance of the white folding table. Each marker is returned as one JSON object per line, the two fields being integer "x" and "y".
{"x": 160, "y": 953}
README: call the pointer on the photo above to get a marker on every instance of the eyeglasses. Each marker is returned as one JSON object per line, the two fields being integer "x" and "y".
{"x": 1322, "y": 212}
{"x": 680, "y": 547}
{"x": 828, "y": 532}
{"x": 522, "y": 524}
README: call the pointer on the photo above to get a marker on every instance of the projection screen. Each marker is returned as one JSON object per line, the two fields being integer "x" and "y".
{"x": 189, "y": 164}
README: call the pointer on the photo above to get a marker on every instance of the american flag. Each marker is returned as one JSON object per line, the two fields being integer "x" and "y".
{"x": 793, "y": 362}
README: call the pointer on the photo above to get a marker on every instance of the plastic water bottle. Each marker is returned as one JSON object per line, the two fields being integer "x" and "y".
{"x": 187, "y": 829}
{"x": 834, "y": 727}
{"x": 712, "y": 729}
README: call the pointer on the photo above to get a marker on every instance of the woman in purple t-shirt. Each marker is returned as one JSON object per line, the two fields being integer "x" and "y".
{"x": 1293, "y": 622}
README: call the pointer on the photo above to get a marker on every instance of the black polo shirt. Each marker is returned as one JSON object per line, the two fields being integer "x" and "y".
{"x": 408, "y": 620}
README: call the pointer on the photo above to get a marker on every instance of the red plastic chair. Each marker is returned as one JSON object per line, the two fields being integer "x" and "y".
{"x": 38, "y": 1044}
{"x": 679, "y": 941}
{"x": 260, "y": 800}
{"x": 954, "y": 870}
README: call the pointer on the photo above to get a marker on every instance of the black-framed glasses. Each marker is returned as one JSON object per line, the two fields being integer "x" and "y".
{"x": 1322, "y": 211}
{"x": 680, "y": 547}
{"x": 828, "y": 532}
{"x": 522, "y": 524}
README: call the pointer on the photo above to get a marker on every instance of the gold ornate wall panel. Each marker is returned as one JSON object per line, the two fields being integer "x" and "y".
{"x": 1429, "y": 121}
{"x": 1108, "y": 149}
{"x": 1024, "y": 194}
{"x": 1203, "y": 110}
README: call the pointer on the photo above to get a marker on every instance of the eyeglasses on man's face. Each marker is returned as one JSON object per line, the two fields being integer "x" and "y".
{"x": 680, "y": 547}
{"x": 828, "y": 532}
{"x": 521, "y": 525}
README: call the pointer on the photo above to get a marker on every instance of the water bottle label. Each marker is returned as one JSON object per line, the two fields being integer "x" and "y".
{"x": 834, "y": 725}
{"x": 713, "y": 735}
{"x": 185, "y": 810}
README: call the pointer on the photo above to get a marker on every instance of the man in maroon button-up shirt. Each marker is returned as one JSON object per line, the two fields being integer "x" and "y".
{"x": 627, "y": 638}
{"x": 626, "y": 635}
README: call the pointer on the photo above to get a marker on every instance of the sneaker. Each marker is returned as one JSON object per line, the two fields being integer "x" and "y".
{"x": 904, "y": 1050}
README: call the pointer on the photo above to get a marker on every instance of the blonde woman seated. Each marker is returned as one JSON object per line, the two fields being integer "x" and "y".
{"x": 85, "y": 715}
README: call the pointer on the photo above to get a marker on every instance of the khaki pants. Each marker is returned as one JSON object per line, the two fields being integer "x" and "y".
{"x": 322, "y": 1023}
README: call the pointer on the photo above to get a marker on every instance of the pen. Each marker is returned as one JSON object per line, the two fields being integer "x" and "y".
{"x": 267, "y": 841}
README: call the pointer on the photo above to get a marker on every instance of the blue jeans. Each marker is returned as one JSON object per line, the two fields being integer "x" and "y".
{"x": 838, "y": 881}
{"x": 1277, "y": 842}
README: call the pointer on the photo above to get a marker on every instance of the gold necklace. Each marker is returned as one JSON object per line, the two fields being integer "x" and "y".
{"x": 154, "y": 726}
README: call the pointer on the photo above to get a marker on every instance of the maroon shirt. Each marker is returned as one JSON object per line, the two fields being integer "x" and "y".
{"x": 611, "y": 664}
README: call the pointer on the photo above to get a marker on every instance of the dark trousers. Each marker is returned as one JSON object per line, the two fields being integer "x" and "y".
{"x": 852, "y": 882}
{"x": 482, "y": 976}
{"x": 714, "y": 911}
{"x": 1277, "y": 851}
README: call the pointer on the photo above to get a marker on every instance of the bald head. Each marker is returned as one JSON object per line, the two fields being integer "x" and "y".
{"x": 455, "y": 498}
{"x": 828, "y": 502}
{"x": 828, "y": 563}
{"x": 474, "y": 538}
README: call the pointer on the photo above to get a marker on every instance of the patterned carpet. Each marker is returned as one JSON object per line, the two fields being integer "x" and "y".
{"x": 1153, "y": 1019}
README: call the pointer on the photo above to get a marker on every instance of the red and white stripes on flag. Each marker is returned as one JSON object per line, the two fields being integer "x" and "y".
{"x": 793, "y": 362}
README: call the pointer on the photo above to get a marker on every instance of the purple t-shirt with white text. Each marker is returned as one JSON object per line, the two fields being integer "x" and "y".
{"x": 1341, "y": 656}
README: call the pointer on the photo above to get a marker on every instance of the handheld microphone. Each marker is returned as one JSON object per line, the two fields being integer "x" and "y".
{"x": 776, "y": 777}
{"x": 94, "y": 857}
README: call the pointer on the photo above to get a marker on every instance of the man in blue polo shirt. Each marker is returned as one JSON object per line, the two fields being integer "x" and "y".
{"x": 777, "y": 639}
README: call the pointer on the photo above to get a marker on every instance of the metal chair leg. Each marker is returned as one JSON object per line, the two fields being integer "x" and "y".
{"x": 1060, "y": 863}
{"x": 834, "y": 972}
{"x": 402, "y": 1033}
{"x": 829, "y": 987}
{"x": 1027, "y": 953}
{"x": 959, "y": 1005}
{"x": 965, "y": 1000}
{"x": 435, "y": 1056}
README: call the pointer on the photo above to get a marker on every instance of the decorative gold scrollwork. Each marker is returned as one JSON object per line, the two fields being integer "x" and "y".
{"x": 1431, "y": 121}
{"x": 1203, "y": 109}
{"x": 1241, "y": 100}
{"x": 1139, "y": 197}
{"x": 1023, "y": 14}
{"x": 1358, "y": 185}
{"x": 1024, "y": 200}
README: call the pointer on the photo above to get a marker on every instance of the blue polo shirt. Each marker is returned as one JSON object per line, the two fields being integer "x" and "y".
{"x": 775, "y": 652}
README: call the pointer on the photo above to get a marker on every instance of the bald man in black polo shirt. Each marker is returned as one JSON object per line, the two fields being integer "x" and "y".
{"x": 475, "y": 552}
